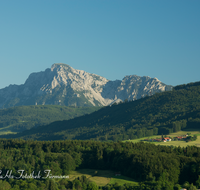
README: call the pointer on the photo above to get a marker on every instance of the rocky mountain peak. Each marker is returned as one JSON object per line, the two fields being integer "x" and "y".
{"x": 61, "y": 84}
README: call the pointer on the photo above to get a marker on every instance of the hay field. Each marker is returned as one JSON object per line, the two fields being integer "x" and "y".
{"x": 101, "y": 177}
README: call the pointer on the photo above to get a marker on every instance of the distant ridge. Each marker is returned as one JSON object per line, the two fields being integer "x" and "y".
{"x": 185, "y": 86}
{"x": 20, "y": 118}
{"x": 63, "y": 85}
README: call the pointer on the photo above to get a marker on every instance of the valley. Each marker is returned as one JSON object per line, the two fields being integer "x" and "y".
{"x": 105, "y": 147}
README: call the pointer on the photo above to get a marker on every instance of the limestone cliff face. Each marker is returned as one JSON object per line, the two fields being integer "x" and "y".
{"x": 64, "y": 85}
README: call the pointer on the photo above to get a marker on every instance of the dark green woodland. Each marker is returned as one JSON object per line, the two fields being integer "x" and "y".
{"x": 161, "y": 113}
{"x": 93, "y": 141}
{"x": 154, "y": 167}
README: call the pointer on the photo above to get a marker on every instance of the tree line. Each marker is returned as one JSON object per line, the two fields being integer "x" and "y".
{"x": 154, "y": 167}
{"x": 161, "y": 113}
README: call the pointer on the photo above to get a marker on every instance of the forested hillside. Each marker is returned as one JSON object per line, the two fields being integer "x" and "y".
{"x": 18, "y": 119}
{"x": 160, "y": 113}
{"x": 154, "y": 167}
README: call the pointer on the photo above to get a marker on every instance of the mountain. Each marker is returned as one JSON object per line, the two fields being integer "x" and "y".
{"x": 64, "y": 85}
{"x": 161, "y": 113}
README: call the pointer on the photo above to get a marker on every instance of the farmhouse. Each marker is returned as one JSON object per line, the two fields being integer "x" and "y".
{"x": 166, "y": 139}
{"x": 180, "y": 137}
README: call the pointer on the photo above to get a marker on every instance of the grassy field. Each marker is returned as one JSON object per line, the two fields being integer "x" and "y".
{"x": 102, "y": 177}
{"x": 174, "y": 143}
{"x": 7, "y": 132}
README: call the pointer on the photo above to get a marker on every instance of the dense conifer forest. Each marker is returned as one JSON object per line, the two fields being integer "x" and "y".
{"x": 161, "y": 113}
{"x": 154, "y": 167}
{"x": 24, "y": 164}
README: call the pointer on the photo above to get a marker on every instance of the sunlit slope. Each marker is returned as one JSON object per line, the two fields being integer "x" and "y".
{"x": 18, "y": 119}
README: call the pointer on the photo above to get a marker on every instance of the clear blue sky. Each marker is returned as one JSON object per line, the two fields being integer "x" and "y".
{"x": 111, "y": 38}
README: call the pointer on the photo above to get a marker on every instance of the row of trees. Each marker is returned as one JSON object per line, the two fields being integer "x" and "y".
{"x": 153, "y": 166}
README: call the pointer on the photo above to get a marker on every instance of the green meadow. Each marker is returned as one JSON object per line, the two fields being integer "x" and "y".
{"x": 102, "y": 177}
{"x": 173, "y": 143}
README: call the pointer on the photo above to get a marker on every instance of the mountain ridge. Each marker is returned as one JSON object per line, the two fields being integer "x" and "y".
{"x": 160, "y": 114}
{"x": 63, "y": 85}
